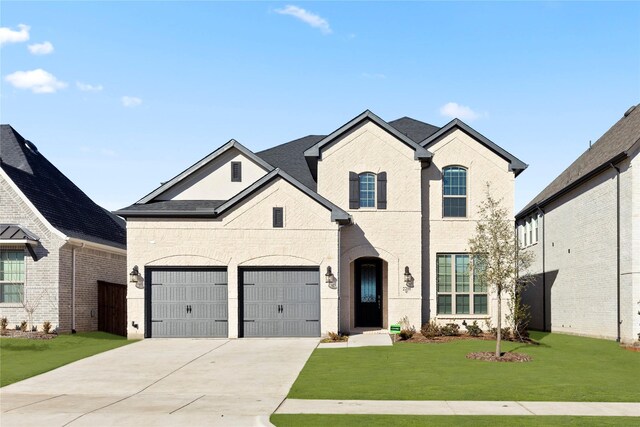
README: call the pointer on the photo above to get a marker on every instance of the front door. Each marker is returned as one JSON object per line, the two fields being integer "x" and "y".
{"x": 368, "y": 292}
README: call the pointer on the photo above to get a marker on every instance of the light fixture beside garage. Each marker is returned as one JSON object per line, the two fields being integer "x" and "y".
{"x": 408, "y": 278}
{"x": 330, "y": 278}
{"x": 134, "y": 277}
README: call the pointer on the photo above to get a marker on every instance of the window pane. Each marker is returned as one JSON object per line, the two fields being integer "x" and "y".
{"x": 480, "y": 304}
{"x": 462, "y": 304}
{"x": 367, "y": 190}
{"x": 10, "y": 292}
{"x": 462, "y": 273}
{"x": 455, "y": 207}
{"x": 455, "y": 181}
{"x": 368, "y": 283}
{"x": 443, "y": 272}
{"x": 12, "y": 266}
{"x": 444, "y": 304}
{"x": 478, "y": 284}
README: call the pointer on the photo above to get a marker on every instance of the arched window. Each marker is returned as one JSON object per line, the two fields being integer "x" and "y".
{"x": 367, "y": 190}
{"x": 454, "y": 192}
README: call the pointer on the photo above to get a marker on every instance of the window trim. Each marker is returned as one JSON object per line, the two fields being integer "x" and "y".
{"x": 235, "y": 178}
{"x": 22, "y": 283}
{"x": 374, "y": 190}
{"x": 453, "y": 294}
{"x": 466, "y": 196}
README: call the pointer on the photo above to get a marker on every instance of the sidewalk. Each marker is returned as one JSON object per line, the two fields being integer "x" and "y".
{"x": 459, "y": 407}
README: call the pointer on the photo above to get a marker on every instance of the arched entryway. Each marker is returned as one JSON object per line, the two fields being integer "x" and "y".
{"x": 368, "y": 292}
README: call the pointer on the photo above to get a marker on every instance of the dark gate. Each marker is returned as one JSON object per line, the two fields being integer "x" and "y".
{"x": 112, "y": 308}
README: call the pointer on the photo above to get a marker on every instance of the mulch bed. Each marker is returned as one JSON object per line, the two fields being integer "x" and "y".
{"x": 490, "y": 356}
{"x": 419, "y": 338}
{"x": 39, "y": 335}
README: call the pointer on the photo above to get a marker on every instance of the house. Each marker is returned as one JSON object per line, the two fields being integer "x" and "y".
{"x": 56, "y": 245}
{"x": 584, "y": 229}
{"x": 349, "y": 231}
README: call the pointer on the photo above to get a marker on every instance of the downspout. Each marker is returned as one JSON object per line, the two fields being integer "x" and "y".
{"x": 544, "y": 271}
{"x": 617, "y": 248}
{"x": 73, "y": 287}
{"x": 339, "y": 258}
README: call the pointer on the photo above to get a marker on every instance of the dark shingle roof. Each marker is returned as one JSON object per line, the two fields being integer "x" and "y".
{"x": 16, "y": 232}
{"x": 164, "y": 207}
{"x": 58, "y": 199}
{"x": 290, "y": 158}
{"x": 414, "y": 129}
{"x": 613, "y": 145}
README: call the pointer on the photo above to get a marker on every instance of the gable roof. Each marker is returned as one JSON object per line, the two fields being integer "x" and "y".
{"x": 516, "y": 165}
{"x": 420, "y": 152}
{"x": 56, "y": 198}
{"x": 289, "y": 157}
{"x": 203, "y": 162}
{"x": 215, "y": 208}
{"x": 415, "y": 129}
{"x": 611, "y": 148}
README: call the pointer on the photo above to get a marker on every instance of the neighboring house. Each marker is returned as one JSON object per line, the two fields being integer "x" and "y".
{"x": 584, "y": 229}
{"x": 342, "y": 232}
{"x": 55, "y": 245}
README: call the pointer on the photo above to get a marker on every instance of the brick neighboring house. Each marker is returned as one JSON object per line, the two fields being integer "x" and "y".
{"x": 349, "y": 231}
{"x": 55, "y": 242}
{"x": 584, "y": 229}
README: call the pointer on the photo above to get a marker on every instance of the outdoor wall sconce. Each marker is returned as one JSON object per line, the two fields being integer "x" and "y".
{"x": 134, "y": 277}
{"x": 408, "y": 278}
{"x": 330, "y": 279}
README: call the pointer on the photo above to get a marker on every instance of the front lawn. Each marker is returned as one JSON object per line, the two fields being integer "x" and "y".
{"x": 281, "y": 420}
{"x": 23, "y": 358}
{"x": 564, "y": 368}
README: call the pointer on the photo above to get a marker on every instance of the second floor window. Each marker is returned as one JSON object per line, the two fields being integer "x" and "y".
{"x": 454, "y": 192}
{"x": 367, "y": 190}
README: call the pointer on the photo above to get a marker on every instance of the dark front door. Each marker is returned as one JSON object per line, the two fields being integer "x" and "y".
{"x": 368, "y": 289}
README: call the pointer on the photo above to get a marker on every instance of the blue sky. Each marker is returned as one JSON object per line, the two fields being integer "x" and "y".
{"x": 126, "y": 95}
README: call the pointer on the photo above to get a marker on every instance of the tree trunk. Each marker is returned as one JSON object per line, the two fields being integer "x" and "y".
{"x": 499, "y": 329}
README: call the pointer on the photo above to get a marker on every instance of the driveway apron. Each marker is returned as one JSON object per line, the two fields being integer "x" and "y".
{"x": 163, "y": 382}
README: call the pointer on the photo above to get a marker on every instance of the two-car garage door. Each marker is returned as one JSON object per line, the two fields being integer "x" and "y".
{"x": 273, "y": 302}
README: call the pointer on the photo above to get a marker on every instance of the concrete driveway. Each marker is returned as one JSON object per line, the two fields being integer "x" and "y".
{"x": 163, "y": 382}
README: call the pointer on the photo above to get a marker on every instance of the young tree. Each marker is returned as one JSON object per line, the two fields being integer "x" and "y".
{"x": 497, "y": 258}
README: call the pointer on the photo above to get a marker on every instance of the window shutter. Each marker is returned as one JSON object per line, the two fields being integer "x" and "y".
{"x": 354, "y": 191}
{"x": 236, "y": 171}
{"x": 382, "y": 190}
{"x": 278, "y": 218}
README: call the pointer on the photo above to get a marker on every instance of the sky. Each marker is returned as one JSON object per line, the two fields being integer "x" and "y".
{"x": 121, "y": 96}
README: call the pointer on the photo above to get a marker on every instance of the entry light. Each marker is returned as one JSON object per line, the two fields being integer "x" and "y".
{"x": 330, "y": 279}
{"x": 408, "y": 278}
{"x": 134, "y": 277}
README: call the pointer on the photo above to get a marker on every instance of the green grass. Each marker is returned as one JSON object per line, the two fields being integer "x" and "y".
{"x": 281, "y": 420}
{"x": 23, "y": 358}
{"x": 564, "y": 368}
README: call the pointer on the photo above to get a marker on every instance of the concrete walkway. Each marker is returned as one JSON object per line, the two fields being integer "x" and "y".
{"x": 163, "y": 382}
{"x": 361, "y": 340}
{"x": 449, "y": 407}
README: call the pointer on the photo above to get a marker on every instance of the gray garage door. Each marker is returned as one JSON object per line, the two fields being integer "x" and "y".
{"x": 189, "y": 303}
{"x": 281, "y": 302}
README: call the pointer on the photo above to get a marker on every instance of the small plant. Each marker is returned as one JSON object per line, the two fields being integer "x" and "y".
{"x": 506, "y": 333}
{"x": 23, "y": 326}
{"x": 473, "y": 329}
{"x": 430, "y": 330}
{"x": 3, "y": 325}
{"x": 407, "y": 329}
{"x": 335, "y": 337}
{"x": 46, "y": 327}
{"x": 451, "y": 330}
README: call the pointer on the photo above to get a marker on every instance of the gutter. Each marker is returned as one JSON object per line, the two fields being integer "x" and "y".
{"x": 544, "y": 271}
{"x": 617, "y": 249}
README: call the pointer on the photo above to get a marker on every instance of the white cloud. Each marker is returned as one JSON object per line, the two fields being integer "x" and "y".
{"x": 86, "y": 87}
{"x": 316, "y": 21}
{"x": 41, "y": 48}
{"x": 38, "y": 81}
{"x": 131, "y": 101}
{"x": 455, "y": 110}
{"x": 7, "y": 35}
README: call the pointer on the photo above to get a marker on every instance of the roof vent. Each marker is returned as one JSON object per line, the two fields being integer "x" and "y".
{"x": 31, "y": 146}
{"x": 633, "y": 107}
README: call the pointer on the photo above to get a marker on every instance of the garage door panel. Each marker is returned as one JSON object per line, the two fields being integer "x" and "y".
{"x": 257, "y": 311}
{"x": 208, "y": 328}
{"x": 171, "y": 328}
{"x": 163, "y": 311}
{"x": 308, "y": 311}
{"x": 264, "y": 328}
{"x": 297, "y": 328}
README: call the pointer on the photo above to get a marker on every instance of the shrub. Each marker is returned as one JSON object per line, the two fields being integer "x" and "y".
{"x": 3, "y": 324}
{"x": 23, "y": 326}
{"x": 450, "y": 330}
{"x": 506, "y": 333}
{"x": 406, "y": 334}
{"x": 430, "y": 330}
{"x": 335, "y": 337}
{"x": 46, "y": 327}
{"x": 473, "y": 329}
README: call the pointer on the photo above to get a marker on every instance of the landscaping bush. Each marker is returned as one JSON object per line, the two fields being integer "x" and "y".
{"x": 46, "y": 327}
{"x": 430, "y": 330}
{"x": 23, "y": 326}
{"x": 3, "y": 325}
{"x": 335, "y": 337}
{"x": 473, "y": 329}
{"x": 506, "y": 333}
{"x": 406, "y": 334}
{"x": 450, "y": 330}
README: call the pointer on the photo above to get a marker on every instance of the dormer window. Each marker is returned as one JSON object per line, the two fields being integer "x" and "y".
{"x": 367, "y": 190}
{"x": 454, "y": 192}
{"x": 236, "y": 172}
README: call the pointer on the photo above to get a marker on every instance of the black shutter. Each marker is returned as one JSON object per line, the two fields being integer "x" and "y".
{"x": 354, "y": 191}
{"x": 382, "y": 190}
{"x": 278, "y": 218}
